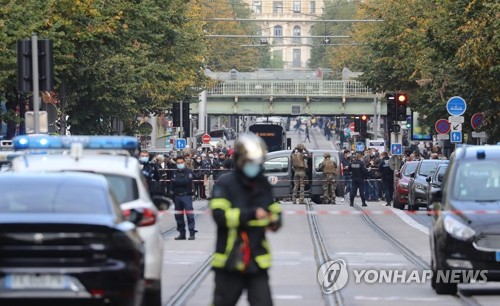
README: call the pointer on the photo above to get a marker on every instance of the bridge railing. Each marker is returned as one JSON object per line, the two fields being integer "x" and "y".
{"x": 291, "y": 88}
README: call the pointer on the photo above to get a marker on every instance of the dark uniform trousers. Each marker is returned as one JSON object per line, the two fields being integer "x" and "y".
{"x": 357, "y": 183}
{"x": 388, "y": 190}
{"x": 184, "y": 203}
{"x": 257, "y": 284}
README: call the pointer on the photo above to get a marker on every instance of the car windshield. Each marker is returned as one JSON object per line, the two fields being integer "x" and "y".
{"x": 216, "y": 134}
{"x": 428, "y": 168}
{"x": 46, "y": 197}
{"x": 477, "y": 181}
{"x": 124, "y": 187}
{"x": 409, "y": 169}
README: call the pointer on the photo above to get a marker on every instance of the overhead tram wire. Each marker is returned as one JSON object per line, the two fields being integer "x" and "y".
{"x": 289, "y": 20}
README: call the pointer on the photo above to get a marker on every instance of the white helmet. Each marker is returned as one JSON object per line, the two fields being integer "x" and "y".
{"x": 249, "y": 148}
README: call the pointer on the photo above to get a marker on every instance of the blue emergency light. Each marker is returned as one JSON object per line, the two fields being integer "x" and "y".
{"x": 37, "y": 142}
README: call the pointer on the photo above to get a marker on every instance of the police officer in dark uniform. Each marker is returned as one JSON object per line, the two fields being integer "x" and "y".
{"x": 182, "y": 185}
{"x": 359, "y": 173}
{"x": 151, "y": 172}
{"x": 243, "y": 208}
{"x": 387, "y": 178}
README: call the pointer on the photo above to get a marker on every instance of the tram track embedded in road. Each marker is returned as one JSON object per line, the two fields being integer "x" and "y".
{"x": 321, "y": 253}
{"x": 408, "y": 254}
{"x": 197, "y": 214}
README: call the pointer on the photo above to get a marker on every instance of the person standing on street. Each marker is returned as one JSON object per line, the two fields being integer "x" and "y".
{"x": 359, "y": 173}
{"x": 307, "y": 134}
{"x": 329, "y": 169}
{"x": 243, "y": 209}
{"x": 182, "y": 185}
{"x": 299, "y": 166}
{"x": 387, "y": 178}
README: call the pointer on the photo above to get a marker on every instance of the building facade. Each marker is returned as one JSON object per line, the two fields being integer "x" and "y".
{"x": 287, "y": 24}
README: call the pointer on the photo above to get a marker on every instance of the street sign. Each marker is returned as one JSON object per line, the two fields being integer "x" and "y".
{"x": 456, "y": 119}
{"x": 206, "y": 145}
{"x": 442, "y": 126}
{"x": 477, "y": 120}
{"x": 396, "y": 148}
{"x": 456, "y": 127}
{"x": 456, "y": 106}
{"x": 206, "y": 138}
{"x": 456, "y": 136}
{"x": 351, "y": 126}
{"x": 360, "y": 147}
{"x": 479, "y": 134}
{"x": 443, "y": 136}
{"x": 180, "y": 143}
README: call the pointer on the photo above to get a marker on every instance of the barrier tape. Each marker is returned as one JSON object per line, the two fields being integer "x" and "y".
{"x": 287, "y": 180}
{"x": 351, "y": 211}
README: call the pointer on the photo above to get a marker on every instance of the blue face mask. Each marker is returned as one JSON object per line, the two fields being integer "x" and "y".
{"x": 180, "y": 166}
{"x": 251, "y": 170}
{"x": 144, "y": 159}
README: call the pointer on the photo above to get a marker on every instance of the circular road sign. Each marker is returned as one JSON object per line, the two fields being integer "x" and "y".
{"x": 351, "y": 126}
{"x": 456, "y": 106}
{"x": 206, "y": 138}
{"x": 442, "y": 126}
{"x": 477, "y": 120}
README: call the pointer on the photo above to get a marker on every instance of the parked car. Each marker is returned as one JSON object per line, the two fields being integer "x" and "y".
{"x": 465, "y": 231}
{"x": 401, "y": 179}
{"x": 417, "y": 185}
{"x": 434, "y": 182}
{"x": 64, "y": 239}
{"x": 123, "y": 175}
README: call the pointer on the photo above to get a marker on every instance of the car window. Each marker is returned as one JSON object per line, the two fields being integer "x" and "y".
{"x": 124, "y": 187}
{"x": 477, "y": 181}
{"x": 440, "y": 170}
{"x": 409, "y": 169}
{"x": 276, "y": 165}
{"x": 428, "y": 168}
{"x": 216, "y": 133}
{"x": 66, "y": 197}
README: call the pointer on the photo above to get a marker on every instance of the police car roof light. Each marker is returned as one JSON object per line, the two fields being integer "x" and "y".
{"x": 480, "y": 154}
{"x": 30, "y": 142}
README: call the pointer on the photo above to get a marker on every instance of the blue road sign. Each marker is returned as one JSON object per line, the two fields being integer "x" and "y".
{"x": 360, "y": 147}
{"x": 180, "y": 143}
{"x": 477, "y": 120}
{"x": 442, "y": 126}
{"x": 396, "y": 149}
{"x": 456, "y": 106}
{"x": 456, "y": 136}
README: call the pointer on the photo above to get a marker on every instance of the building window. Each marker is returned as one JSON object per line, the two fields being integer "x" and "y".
{"x": 296, "y": 34}
{"x": 257, "y": 7}
{"x": 278, "y": 33}
{"x": 296, "y": 58}
{"x": 296, "y": 6}
{"x": 277, "y": 7}
{"x": 312, "y": 7}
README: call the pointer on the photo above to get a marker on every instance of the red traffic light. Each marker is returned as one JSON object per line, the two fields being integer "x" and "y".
{"x": 402, "y": 98}
{"x": 364, "y": 117}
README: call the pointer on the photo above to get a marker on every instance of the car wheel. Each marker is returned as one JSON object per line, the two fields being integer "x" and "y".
{"x": 441, "y": 287}
{"x": 316, "y": 199}
{"x": 152, "y": 297}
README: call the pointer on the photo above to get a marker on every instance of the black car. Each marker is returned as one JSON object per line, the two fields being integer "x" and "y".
{"x": 465, "y": 232}
{"x": 417, "y": 185}
{"x": 434, "y": 182}
{"x": 64, "y": 240}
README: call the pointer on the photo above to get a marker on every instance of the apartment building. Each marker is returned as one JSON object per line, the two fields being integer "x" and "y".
{"x": 286, "y": 24}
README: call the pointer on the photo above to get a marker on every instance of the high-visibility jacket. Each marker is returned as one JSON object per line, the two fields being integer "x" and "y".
{"x": 241, "y": 241}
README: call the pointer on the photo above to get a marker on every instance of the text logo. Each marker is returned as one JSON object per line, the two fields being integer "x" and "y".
{"x": 333, "y": 276}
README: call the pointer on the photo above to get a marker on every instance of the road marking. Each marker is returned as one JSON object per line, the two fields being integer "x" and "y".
{"x": 411, "y": 222}
{"x": 287, "y": 297}
{"x": 395, "y": 298}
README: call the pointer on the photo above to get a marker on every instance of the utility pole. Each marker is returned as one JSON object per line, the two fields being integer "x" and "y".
{"x": 36, "y": 90}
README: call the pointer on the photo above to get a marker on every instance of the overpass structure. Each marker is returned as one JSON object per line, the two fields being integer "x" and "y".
{"x": 286, "y": 94}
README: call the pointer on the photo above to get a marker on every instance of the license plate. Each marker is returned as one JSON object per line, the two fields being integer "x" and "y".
{"x": 498, "y": 256}
{"x": 36, "y": 281}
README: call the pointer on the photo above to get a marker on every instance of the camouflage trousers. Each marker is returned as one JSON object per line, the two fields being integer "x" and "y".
{"x": 299, "y": 182}
{"x": 329, "y": 187}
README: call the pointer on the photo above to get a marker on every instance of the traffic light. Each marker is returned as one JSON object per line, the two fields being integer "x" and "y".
{"x": 356, "y": 124}
{"x": 25, "y": 67}
{"x": 363, "y": 124}
{"x": 176, "y": 117}
{"x": 391, "y": 111}
{"x": 401, "y": 102}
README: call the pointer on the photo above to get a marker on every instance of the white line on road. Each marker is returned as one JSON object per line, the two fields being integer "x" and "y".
{"x": 395, "y": 298}
{"x": 409, "y": 221}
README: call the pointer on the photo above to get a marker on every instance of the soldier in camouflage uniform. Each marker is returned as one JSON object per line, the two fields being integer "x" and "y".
{"x": 299, "y": 164}
{"x": 329, "y": 169}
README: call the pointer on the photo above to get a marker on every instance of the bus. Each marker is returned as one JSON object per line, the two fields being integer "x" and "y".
{"x": 274, "y": 135}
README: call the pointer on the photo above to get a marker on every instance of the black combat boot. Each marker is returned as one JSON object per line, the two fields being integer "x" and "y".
{"x": 182, "y": 236}
{"x": 191, "y": 236}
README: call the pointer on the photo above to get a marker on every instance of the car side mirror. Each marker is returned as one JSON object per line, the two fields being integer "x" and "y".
{"x": 398, "y": 174}
{"x": 428, "y": 179}
{"x": 412, "y": 175}
{"x": 162, "y": 202}
{"x": 135, "y": 216}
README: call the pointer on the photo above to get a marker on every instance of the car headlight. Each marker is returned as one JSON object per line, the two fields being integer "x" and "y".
{"x": 404, "y": 185}
{"x": 457, "y": 229}
{"x": 420, "y": 186}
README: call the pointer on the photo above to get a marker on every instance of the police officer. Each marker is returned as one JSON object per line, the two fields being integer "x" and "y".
{"x": 329, "y": 169}
{"x": 387, "y": 178}
{"x": 182, "y": 185}
{"x": 299, "y": 165}
{"x": 244, "y": 209}
{"x": 359, "y": 173}
{"x": 151, "y": 172}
